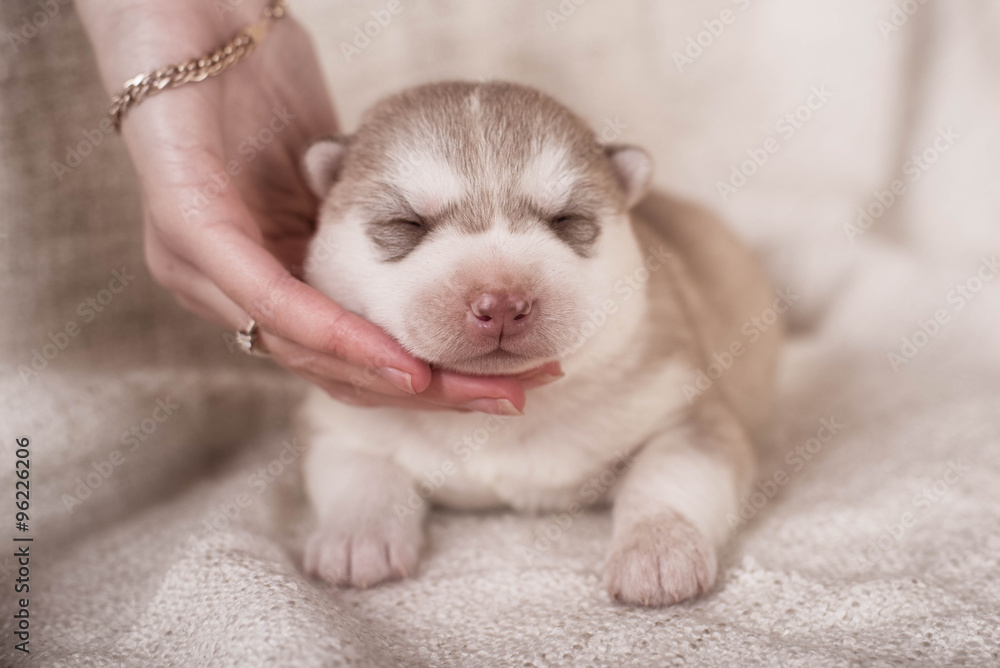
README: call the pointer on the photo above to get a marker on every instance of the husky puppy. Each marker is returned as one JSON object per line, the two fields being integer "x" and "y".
{"x": 486, "y": 228}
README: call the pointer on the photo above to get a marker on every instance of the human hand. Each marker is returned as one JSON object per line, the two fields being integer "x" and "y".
{"x": 228, "y": 217}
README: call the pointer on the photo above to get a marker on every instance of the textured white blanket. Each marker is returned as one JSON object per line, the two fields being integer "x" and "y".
{"x": 853, "y": 144}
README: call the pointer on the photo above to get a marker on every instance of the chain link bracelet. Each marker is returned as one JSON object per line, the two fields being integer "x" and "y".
{"x": 140, "y": 87}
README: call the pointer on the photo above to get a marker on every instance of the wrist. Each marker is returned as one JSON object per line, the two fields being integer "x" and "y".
{"x": 130, "y": 37}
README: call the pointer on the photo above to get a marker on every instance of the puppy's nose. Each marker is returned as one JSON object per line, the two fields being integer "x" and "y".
{"x": 496, "y": 313}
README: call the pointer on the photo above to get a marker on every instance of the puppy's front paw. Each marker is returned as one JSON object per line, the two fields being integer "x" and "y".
{"x": 659, "y": 562}
{"x": 363, "y": 556}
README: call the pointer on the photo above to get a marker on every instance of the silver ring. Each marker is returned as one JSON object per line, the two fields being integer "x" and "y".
{"x": 248, "y": 339}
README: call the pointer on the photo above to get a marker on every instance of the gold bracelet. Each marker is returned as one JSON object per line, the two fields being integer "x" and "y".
{"x": 138, "y": 88}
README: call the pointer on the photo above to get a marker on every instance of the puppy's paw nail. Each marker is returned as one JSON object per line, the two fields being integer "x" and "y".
{"x": 659, "y": 562}
{"x": 362, "y": 558}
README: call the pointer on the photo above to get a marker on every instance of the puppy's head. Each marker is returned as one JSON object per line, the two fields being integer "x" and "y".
{"x": 478, "y": 224}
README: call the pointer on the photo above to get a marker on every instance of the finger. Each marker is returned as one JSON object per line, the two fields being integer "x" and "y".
{"x": 190, "y": 286}
{"x": 327, "y": 368}
{"x": 293, "y": 310}
{"x": 497, "y": 395}
{"x": 541, "y": 375}
{"x": 347, "y": 382}
{"x": 197, "y": 293}
{"x": 354, "y": 396}
{"x": 195, "y": 306}
{"x": 494, "y": 395}
{"x": 218, "y": 240}
{"x": 219, "y": 236}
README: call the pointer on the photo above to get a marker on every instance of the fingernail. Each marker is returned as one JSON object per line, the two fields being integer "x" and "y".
{"x": 549, "y": 368}
{"x": 400, "y": 379}
{"x": 493, "y": 406}
{"x": 541, "y": 379}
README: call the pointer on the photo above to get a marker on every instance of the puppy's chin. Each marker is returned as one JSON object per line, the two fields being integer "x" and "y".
{"x": 497, "y": 363}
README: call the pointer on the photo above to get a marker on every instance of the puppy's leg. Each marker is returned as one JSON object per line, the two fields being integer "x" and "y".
{"x": 362, "y": 538}
{"x": 670, "y": 511}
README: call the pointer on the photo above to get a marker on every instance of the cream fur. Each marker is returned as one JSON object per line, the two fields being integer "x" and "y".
{"x": 632, "y": 321}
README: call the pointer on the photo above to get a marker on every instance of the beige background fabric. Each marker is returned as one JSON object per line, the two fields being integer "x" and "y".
{"x": 186, "y": 553}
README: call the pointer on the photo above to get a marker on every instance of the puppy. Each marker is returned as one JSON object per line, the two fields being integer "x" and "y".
{"x": 485, "y": 228}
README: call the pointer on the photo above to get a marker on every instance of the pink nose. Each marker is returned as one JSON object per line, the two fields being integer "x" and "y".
{"x": 496, "y": 313}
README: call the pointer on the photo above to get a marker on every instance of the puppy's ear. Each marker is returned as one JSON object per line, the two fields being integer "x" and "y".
{"x": 321, "y": 163}
{"x": 633, "y": 167}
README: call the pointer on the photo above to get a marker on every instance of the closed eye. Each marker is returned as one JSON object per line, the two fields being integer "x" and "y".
{"x": 412, "y": 222}
{"x": 578, "y": 229}
{"x": 397, "y": 236}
